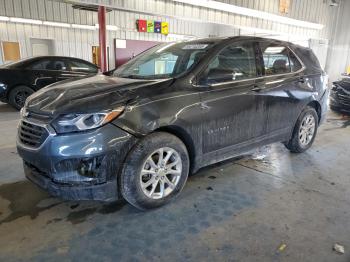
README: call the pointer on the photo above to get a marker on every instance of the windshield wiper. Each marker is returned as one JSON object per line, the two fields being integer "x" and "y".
{"x": 131, "y": 76}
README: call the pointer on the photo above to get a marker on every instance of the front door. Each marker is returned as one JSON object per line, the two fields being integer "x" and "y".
{"x": 233, "y": 106}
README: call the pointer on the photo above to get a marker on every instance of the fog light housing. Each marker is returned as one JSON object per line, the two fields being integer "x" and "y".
{"x": 89, "y": 167}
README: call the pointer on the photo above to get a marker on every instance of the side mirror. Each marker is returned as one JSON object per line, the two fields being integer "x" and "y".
{"x": 110, "y": 72}
{"x": 217, "y": 75}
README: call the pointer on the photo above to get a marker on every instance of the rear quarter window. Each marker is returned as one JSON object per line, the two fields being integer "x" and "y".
{"x": 309, "y": 59}
{"x": 80, "y": 66}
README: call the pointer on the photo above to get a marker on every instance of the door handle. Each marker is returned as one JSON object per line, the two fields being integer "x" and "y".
{"x": 256, "y": 88}
{"x": 204, "y": 106}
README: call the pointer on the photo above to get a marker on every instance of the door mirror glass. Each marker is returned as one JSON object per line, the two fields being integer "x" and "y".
{"x": 110, "y": 72}
{"x": 220, "y": 75}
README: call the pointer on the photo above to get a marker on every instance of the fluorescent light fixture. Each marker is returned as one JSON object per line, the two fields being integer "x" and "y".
{"x": 56, "y": 24}
{"x": 247, "y": 30}
{"x": 274, "y": 49}
{"x": 109, "y": 27}
{"x": 251, "y": 12}
{"x": 4, "y": 18}
{"x": 25, "y": 21}
{"x": 89, "y": 27}
{"x": 165, "y": 47}
{"x": 112, "y": 27}
{"x": 181, "y": 37}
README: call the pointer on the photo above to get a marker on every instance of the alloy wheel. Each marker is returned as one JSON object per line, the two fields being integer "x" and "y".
{"x": 307, "y": 130}
{"x": 161, "y": 173}
{"x": 21, "y": 97}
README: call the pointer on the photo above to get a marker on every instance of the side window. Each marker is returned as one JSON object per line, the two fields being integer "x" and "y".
{"x": 39, "y": 65}
{"x": 194, "y": 58}
{"x": 235, "y": 62}
{"x": 56, "y": 65}
{"x": 276, "y": 59}
{"x": 79, "y": 66}
{"x": 294, "y": 62}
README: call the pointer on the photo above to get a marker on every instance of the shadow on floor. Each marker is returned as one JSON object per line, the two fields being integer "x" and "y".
{"x": 26, "y": 199}
{"x": 5, "y": 108}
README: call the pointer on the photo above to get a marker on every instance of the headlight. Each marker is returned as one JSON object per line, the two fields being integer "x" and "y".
{"x": 79, "y": 122}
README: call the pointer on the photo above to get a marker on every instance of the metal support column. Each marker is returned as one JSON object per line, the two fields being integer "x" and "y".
{"x": 102, "y": 38}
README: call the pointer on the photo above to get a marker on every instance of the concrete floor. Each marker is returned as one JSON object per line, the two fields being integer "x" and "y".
{"x": 241, "y": 210}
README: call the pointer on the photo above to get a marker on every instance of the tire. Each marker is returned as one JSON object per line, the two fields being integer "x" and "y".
{"x": 18, "y": 96}
{"x": 300, "y": 142}
{"x": 138, "y": 159}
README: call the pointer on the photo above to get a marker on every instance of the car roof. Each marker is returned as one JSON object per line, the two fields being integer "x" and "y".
{"x": 57, "y": 57}
{"x": 36, "y": 58}
{"x": 217, "y": 40}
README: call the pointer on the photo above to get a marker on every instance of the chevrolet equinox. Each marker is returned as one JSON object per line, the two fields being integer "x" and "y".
{"x": 138, "y": 132}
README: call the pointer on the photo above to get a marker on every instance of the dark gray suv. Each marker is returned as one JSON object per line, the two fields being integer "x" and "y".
{"x": 138, "y": 133}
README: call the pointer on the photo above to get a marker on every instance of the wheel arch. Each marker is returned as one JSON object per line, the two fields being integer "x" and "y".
{"x": 316, "y": 105}
{"x": 185, "y": 138}
{"x": 14, "y": 86}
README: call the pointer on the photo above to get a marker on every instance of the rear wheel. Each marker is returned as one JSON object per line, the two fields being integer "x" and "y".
{"x": 155, "y": 171}
{"x": 304, "y": 132}
{"x": 19, "y": 95}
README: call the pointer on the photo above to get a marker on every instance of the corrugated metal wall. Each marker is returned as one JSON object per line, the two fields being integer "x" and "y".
{"x": 317, "y": 11}
{"x": 182, "y": 18}
{"x": 79, "y": 42}
{"x": 339, "y": 54}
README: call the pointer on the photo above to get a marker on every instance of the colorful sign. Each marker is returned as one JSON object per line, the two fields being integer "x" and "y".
{"x": 152, "y": 26}
{"x": 157, "y": 26}
{"x": 141, "y": 25}
{"x": 165, "y": 28}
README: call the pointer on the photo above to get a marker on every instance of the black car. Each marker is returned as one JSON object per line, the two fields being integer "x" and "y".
{"x": 166, "y": 113}
{"x": 20, "y": 79}
{"x": 340, "y": 95}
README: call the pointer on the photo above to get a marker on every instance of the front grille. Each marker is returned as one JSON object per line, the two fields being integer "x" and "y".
{"x": 32, "y": 135}
{"x": 39, "y": 117}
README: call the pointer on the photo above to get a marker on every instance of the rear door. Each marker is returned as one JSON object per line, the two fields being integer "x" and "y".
{"x": 284, "y": 81}
{"x": 42, "y": 73}
{"x": 233, "y": 110}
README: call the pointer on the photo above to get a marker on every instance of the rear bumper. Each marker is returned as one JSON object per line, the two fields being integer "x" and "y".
{"x": 324, "y": 106}
{"x": 78, "y": 166}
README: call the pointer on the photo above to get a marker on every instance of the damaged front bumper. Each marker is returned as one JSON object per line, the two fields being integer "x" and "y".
{"x": 74, "y": 166}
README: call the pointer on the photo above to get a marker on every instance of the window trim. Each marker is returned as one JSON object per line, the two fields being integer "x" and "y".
{"x": 258, "y": 59}
{"x": 283, "y": 74}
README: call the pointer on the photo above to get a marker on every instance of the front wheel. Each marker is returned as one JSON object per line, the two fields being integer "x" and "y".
{"x": 19, "y": 95}
{"x": 155, "y": 171}
{"x": 304, "y": 132}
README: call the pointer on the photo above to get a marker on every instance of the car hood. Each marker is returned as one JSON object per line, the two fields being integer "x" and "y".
{"x": 91, "y": 94}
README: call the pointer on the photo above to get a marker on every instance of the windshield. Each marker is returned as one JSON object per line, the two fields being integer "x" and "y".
{"x": 164, "y": 61}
